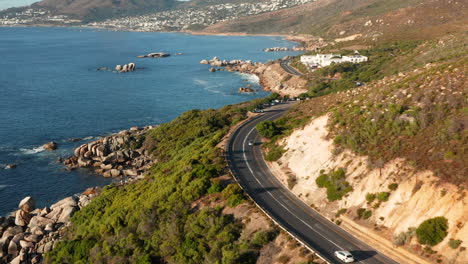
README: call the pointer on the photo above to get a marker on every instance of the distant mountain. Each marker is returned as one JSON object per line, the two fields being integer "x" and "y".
{"x": 102, "y": 9}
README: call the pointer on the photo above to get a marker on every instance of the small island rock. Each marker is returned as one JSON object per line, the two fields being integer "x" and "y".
{"x": 50, "y": 146}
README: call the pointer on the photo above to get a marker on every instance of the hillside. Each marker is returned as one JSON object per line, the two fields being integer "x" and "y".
{"x": 102, "y": 9}
{"x": 416, "y": 19}
{"x": 382, "y": 158}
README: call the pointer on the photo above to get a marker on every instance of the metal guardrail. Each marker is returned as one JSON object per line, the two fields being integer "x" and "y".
{"x": 229, "y": 162}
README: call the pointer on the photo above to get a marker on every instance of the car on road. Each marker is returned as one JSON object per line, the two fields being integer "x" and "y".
{"x": 344, "y": 256}
{"x": 251, "y": 142}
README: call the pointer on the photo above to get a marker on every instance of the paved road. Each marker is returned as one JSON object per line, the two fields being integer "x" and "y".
{"x": 249, "y": 168}
{"x": 287, "y": 68}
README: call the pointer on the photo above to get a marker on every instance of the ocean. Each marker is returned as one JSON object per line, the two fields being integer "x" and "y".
{"x": 50, "y": 90}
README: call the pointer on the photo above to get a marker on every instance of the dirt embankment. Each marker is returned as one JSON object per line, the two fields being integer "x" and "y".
{"x": 418, "y": 196}
{"x": 274, "y": 78}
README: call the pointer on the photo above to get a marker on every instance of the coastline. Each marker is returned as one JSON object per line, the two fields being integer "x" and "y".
{"x": 46, "y": 225}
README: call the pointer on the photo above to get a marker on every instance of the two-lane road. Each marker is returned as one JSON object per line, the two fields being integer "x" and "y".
{"x": 248, "y": 166}
{"x": 287, "y": 68}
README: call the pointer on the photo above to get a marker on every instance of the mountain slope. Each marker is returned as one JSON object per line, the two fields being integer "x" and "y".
{"x": 96, "y": 9}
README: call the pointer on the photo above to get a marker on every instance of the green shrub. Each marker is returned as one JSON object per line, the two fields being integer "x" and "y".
{"x": 432, "y": 231}
{"x": 340, "y": 212}
{"x": 263, "y": 237}
{"x": 268, "y": 129}
{"x": 335, "y": 184}
{"x": 370, "y": 197}
{"x": 393, "y": 186}
{"x": 383, "y": 196}
{"x": 363, "y": 213}
{"x": 275, "y": 153}
{"x": 233, "y": 194}
{"x": 455, "y": 243}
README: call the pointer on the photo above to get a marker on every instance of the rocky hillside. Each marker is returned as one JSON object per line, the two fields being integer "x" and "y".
{"x": 370, "y": 19}
{"x": 102, "y": 9}
{"x": 387, "y": 160}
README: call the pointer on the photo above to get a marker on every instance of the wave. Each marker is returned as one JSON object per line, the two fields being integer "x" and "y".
{"x": 3, "y": 186}
{"x": 88, "y": 138}
{"x": 32, "y": 151}
{"x": 251, "y": 78}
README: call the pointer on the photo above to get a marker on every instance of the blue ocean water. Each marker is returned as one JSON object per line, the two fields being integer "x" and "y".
{"x": 50, "y": 91}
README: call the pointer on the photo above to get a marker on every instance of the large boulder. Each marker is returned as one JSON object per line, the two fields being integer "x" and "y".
{"x": 4, "y": 242}
{"x": 67, "y": 202}
{"x": 12, "y": 231}
{"x": 27, "y": 204}
{"x": 13, "y": 249}
{"x": 22, "y": 218}
{"x": 66, "y": 214}
{"x": 50, "y": 146}
{"x": 33, "y": 238}
{"x": 39, "y": 221}
{"x": 10, "y": 166}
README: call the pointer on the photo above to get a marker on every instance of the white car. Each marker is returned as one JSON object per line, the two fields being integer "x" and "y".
{"x": 251, "y": 142}
{"x": 344, "y": 256}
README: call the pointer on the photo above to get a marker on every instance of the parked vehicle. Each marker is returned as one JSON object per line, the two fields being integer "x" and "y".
{"x": 344, "y": 256}
{"x": 251, "y": 142}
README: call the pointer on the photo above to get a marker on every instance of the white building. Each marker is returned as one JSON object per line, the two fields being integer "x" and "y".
{"x": 322, "y": 60}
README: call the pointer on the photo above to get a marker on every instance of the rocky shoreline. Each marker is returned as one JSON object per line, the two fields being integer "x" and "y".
{"x": 30, "y": 232}
{"x": 272, "y": 77}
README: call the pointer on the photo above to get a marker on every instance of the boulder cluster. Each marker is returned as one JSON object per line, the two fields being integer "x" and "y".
{"x": 233, "y": 65}
{"x": 125, "y": 68}
{"x": 30, "y": 232}
{"x": 223, "y": 63}
{"x": 117, "y": 155}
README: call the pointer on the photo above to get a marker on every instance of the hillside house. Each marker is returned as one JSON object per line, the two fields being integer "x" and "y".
{"x": 322, "y": 60}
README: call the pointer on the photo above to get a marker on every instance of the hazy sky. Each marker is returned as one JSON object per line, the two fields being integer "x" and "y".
{"x": 11, "y": 3}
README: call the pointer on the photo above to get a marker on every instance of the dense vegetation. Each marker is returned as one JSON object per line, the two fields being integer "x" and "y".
{"x": 151, "y": 221}
{"x": 432, "y": 231}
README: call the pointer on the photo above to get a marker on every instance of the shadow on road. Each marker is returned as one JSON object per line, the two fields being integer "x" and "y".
{"x": 360, "y": 255}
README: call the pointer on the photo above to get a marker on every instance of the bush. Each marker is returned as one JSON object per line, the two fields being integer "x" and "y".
{"x": 262, "y": 238}
{"x": 370, "y": 197}
{"x": 432, "y": 231}
{"x": 233, "y": 194}
{"x": 383, "y": 196}
{"x": 340, "y": 212}
{"x": 364, "y": 213}
{"x": 403, "y": 238}
{"x": 267, "y": 129}
{"x": 335, "y": 184}
{"x": 284, "y": 259}
{"x": 275, "y": 153}
{"x": 455, "y": 243}
{"x": 393, "y": 186}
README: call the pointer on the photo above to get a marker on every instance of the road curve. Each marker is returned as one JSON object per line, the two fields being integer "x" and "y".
{"x": 287, "y": 68}
{"x": 250, "y": 170}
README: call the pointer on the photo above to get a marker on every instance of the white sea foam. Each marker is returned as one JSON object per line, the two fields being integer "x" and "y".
{"x": 33, "y": 150}
{"x": 251, "y": 78}
{"x": 3, "y": 186}
{"x": 88, "y": 138}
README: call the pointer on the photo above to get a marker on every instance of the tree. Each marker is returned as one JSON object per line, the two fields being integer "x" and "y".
{"x": 432, "y": 231}
{"x": 267, "y": 129}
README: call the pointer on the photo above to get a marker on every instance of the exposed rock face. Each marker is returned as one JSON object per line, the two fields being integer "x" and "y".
{"x": 50, "y": 146}
{"x": 212, "y": 69}
{"x": 272, "y": 75}
{"x": 114, "y": 156}
{"x": 155, "y": 55}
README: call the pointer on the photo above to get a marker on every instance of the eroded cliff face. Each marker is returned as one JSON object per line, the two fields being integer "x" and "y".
{"x": 418, "y": 196}
{"x": 275, "y": 79}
